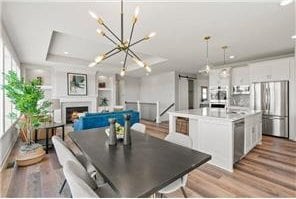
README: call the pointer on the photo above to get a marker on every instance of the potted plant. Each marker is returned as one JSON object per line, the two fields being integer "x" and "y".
{"x": 28, "y": 99}
{"x": 104, "y": 101}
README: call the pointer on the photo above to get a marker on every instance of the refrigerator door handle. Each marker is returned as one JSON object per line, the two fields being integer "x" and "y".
{"x": 269, "y": 98}
{"x": 266, "y": 99}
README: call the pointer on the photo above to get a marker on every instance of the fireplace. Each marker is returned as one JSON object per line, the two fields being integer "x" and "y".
{"x": 72, "y": 113}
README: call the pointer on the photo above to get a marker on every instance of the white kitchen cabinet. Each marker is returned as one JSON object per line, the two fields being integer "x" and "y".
{"x": 253, "y": 131}
{"x": 240, "y": 76}
{"x": 272, "y": 70}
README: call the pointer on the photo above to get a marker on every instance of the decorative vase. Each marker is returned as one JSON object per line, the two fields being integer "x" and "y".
{"x": 127, "y": 130}
{"x": 112, "y": 132}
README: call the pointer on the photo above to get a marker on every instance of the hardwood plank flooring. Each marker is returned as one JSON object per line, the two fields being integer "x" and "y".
{"x": 269, "y": 170}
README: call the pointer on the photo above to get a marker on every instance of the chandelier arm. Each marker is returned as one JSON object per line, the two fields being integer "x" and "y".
{"x": 110, "y": 39}
{"x": 111, "y": 32}
{"x": 110, "y": 51}
{"x": 129, "y": 43}
{"x": 134, "y": 54}
{"x": 112, "y": 54}
{"x": 138, "y": 42}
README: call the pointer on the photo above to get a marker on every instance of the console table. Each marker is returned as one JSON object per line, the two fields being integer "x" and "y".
{"x": 52, "y": 126}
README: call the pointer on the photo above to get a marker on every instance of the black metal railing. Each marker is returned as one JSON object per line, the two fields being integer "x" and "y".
{"x": 166, "y": 110}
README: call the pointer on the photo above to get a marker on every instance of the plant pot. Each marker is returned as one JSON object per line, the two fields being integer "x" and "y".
{"x": 30, "y": 154}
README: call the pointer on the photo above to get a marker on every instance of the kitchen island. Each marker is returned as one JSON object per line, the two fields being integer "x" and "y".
{"x": 226, "y": 135}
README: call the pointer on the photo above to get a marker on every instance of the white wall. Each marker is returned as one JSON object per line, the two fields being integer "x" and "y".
{"x": 132, "y": 87}
{"x": 160, "y": 88}
{"x": 9, "y": 138}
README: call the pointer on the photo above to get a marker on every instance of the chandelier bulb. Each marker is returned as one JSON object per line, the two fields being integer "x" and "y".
{"x": 148, "y": 69}
{"x": 99, "y": 58}
{"x": 136, "y": 13}
{"x": 92, "y": 64}
{"x": 140, "y": 63}
{"x": 152, "y": 34}
{"x": 93, "y": 15}
{"x": 100, "y": 32}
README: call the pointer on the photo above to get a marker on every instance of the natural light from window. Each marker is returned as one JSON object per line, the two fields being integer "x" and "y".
{"x": 7, "y": 63}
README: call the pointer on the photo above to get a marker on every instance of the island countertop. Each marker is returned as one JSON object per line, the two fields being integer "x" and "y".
{"x": 214, "y": 113}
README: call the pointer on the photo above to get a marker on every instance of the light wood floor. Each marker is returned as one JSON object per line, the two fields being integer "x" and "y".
{"x": 269, "y": 170}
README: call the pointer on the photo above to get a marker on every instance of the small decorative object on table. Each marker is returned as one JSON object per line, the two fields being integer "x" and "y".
{"x": 112, "y": 132}
{"x": 127, "y": 130}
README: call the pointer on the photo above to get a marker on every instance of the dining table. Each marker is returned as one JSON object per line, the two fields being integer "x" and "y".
{"x": 140, "y": 169}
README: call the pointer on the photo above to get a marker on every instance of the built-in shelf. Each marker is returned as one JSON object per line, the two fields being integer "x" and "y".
{"x": 46, "y": 87}
{"x": 104, "y": 89}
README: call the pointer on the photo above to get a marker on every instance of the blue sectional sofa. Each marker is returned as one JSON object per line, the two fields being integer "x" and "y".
{"x": 96, "y": 120}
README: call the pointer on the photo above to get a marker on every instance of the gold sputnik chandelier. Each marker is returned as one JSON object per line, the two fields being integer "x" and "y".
{"x": 121, "y": 45}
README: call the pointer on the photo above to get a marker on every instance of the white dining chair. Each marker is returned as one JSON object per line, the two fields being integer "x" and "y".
{"x": 139, "y": 127}
{"x": 185, "y": 141}
{"x": 64, "y": 154}
{"x": 79, "y": 181}
{"x": 82, "y": 185}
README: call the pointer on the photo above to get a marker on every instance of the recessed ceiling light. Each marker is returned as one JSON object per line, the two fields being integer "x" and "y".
{"x": 231, "y": 57}
{"x": 286, "y": 2}
{"x": 293, "y": 37}
{"x": 66, "y": 53}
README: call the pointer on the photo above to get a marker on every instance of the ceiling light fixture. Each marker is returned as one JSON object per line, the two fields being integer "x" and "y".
{"x": 207, "y": 67}
{"x": 121, "y": 45}
{"x": 286, "y": 2}
{"x": 224, "y": 72}
{"x": 293, "y": 37}
{"x": 231, "y": 57}
{"x": 66, "y": 53}
{"x": 122, "y": 72}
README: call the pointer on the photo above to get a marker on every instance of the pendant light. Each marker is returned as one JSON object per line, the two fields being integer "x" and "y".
{"x": 207, "y": 67}
{"x": 224, "y": 72}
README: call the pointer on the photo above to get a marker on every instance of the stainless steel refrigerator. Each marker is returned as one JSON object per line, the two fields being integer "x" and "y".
{"x": 273, "y": 99}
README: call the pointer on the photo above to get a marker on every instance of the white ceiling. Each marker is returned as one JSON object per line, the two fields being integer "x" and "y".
{"x": 41, "y": 32}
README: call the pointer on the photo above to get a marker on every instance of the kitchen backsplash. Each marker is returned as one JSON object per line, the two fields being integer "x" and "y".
{"x": 240, "y": 100}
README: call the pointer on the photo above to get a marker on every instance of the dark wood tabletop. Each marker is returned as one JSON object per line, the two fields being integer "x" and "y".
{"x": 141, "y": 169}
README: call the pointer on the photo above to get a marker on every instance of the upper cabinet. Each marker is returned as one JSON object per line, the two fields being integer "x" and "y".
{"x": 217, "y": 78}
{"x": 273, "y": 70}
{"x": 240, "y": 76}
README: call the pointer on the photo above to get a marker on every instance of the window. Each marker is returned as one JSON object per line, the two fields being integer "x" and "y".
{"x": 1, "y": 90}
{"x": 7, "y": 103}
{"x": 204, "y": 93}
{"x": 7, "y": 63}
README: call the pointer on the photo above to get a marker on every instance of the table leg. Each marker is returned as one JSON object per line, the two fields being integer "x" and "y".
{"x": 36, "y": 131}
{"x": 63, "y": 132}
{"x": 46, "y": 149}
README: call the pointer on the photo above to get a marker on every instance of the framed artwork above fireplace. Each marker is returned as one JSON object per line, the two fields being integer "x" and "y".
{"x": 77, "y": 84}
